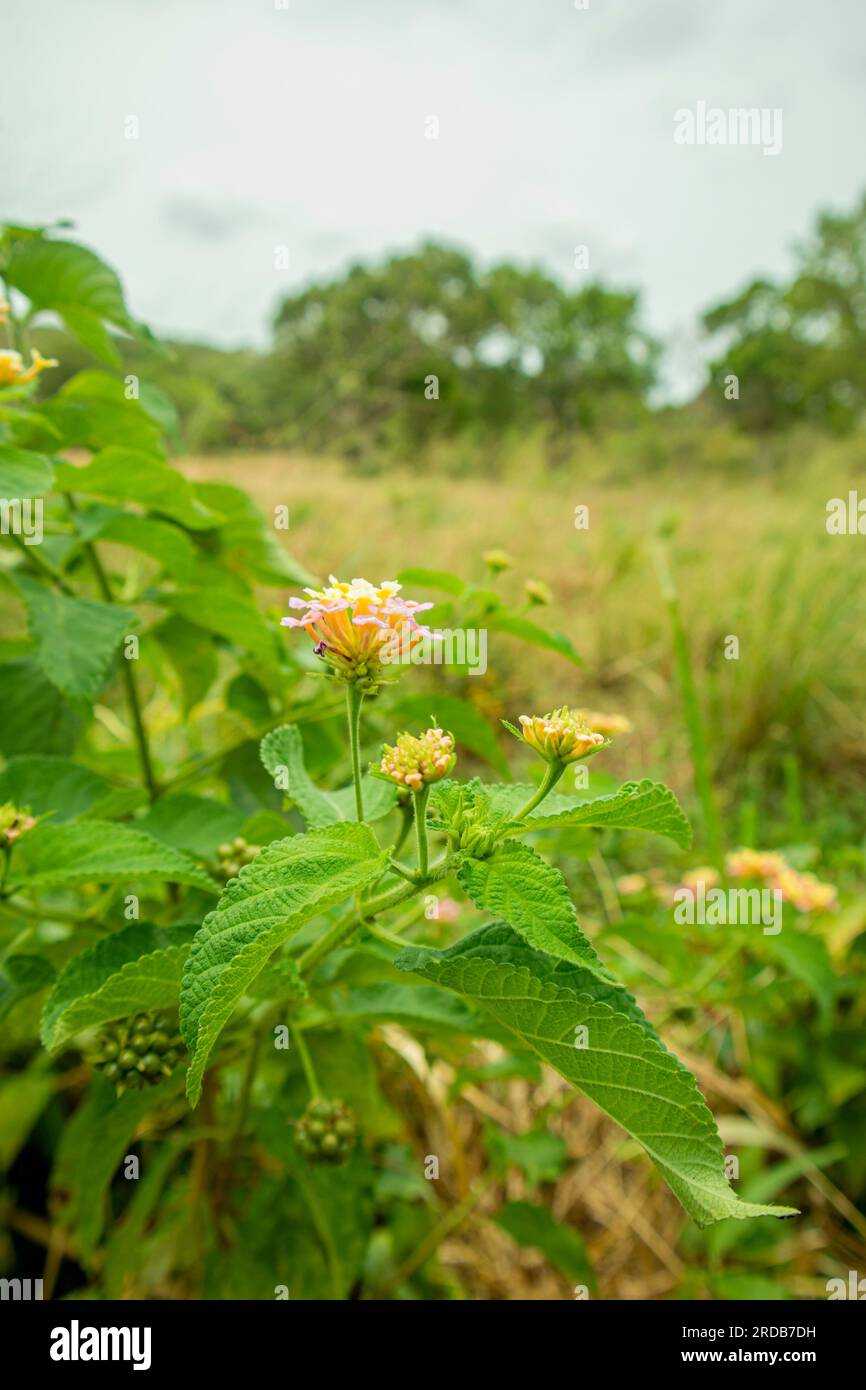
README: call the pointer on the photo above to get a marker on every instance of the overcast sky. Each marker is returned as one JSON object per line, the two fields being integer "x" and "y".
{"x": 304, "y": 126}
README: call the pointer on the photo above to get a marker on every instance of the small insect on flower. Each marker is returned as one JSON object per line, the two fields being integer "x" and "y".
{"x": 352, "y": 625}
{"x": 563, "y": 736}
{"x": 14, "y": 373}
{"x": 14, "y": 823}
{"x": 417, "y": 762}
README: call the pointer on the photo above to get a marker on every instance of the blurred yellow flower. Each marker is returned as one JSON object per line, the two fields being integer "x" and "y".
{"x": 13, "y": 371}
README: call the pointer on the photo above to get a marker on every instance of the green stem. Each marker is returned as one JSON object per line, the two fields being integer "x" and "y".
{"x": 340, "y": 931}
{"x": 307, "y": 1064}
{"x": 354, "y": 701}
{"x": 40, "y": 563}
{"x": 420, "y": 799}
{"x": 548, "y": 782}
{"x": 247, "y": 1085}
{"x": 127, "y": 676}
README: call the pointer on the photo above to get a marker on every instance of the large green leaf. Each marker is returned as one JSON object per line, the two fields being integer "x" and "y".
{"x": 283, "y": 748}
{"x": 433, "y": 579}
{"x": 64, "y": 789}
{"x": 76, "y": 639}
{"x": 137, "y": 968}
{"x": 192, "y": 654}
{"x": 73, "y": 282}
{"x": 623, "y": 1068}
{"x": 517, "y": 886}
{"x": 162, "y": 540}
{"x": 290, "y": 882}
{"x": 23, "y": 474}
{"x": 234, "y": 616}
{"x": 642, "y": 805}
{"x": 36, "y": 717}
{"x": 193, "y": 823}
{"x": 94, "y": 851}
{"x": 247, "y": 542}
{"x": 92, "y": 410}
{"x": 132, "y": 475}
{"x": 416, "y": 1006}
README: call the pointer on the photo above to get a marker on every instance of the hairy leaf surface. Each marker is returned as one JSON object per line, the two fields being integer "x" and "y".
{"x": 288, "y": 883}
{"x": 624, "y": 1069}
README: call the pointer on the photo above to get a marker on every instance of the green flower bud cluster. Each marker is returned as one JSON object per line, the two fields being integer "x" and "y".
{"x": 326, "y": 1132}
{"x": 470, "y": 829}
{"x": 233, "y": 856}
{"x": 138, "y": 1051}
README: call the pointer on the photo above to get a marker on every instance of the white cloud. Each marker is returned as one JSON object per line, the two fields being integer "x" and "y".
{"x": 305, "y": 127}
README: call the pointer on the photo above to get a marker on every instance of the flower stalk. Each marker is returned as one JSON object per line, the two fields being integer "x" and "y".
{"x": 354, "y": 701}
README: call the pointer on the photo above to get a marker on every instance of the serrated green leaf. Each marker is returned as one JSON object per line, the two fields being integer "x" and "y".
{"x": 162, "y": 540}
{"x": 517, "y": 886}
{"x": 290, "y": 882}
{"x": 132, "y": 475}
{"x": 415, "y": 1006}
{"x": 135, "y": 969}
{"x": 64, "y": 789}
{"x": 77, "y": 639}
{"x": 229, "y": 614}
{"x": 623, "y": 1068}
{"x": 94, "y": 851}
{"x": 283, "y": 749}
{"x": 92, "y": 410}
{"x": 247, "y": 542}
{"x": 642, "y": 805}
{"x": 24, "y": 474}
{"x": 21, "y": 976}
{"x": 36, "y": 718}
{"x": 192, "y": 823}
{"x": 192, "y": 655}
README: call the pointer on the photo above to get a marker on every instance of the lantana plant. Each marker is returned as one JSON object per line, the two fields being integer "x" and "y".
{"x": 529, "y": 969}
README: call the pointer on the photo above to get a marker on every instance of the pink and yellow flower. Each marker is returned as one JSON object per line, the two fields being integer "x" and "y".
{"x": 352, "y": 624}
{"x": 563, "y": 736}
{"x": 417, "y": 762}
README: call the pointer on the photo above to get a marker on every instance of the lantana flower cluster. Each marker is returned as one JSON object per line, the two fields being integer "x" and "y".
{"x": 803, "y": 891}
{"x": 562, "y": 736}
{"x": 351, "y": 622}
{"x": 418, "y": 762}
{"x": 806, "y": 892}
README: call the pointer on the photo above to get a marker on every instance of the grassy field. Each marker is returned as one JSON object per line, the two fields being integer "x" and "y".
{"x": 752, "y": 559}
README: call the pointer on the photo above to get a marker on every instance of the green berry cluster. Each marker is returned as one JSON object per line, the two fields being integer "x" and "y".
{"x": 137, "y": 1052}
{"x": 233, "y": 857}
{"x": 326, "y": 1132}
